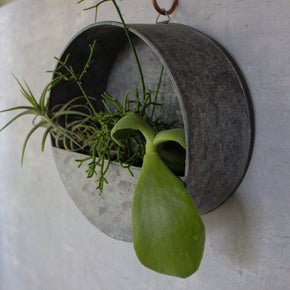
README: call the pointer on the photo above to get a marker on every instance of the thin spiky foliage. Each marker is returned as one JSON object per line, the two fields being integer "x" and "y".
{"x": 42, "y": 116}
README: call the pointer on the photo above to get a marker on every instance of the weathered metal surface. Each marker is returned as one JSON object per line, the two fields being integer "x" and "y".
{"x": 110, "y": 211}
{"x": 210, "y": 91}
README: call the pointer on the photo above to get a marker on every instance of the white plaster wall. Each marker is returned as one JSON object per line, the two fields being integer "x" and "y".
{"x": 46, "y": 243}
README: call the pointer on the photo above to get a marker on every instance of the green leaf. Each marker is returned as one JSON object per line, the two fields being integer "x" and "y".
{"x": 168, "y": 233}
{"x": 18, "y": 108}
{"x": 27, "y": 93}
{"x": 127, "y": 124}
{"x": 26, "y": 112}
{"x": 40, "y": 124}
{"x": 45, "y": 134}
{"x": 41, "y": 102}
{"x": 171, "y": 148}
{"x": 176, "y": 135}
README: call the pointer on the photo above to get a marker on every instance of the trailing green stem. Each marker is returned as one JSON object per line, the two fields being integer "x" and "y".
{"x": 132, "y": 47}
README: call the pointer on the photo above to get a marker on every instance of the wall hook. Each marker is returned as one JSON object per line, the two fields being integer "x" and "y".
{"x": 164, "y": 21}
{"x": 163, "y": 11}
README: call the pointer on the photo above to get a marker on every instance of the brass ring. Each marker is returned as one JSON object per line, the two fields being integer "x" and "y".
{"x": 162, "y": 11}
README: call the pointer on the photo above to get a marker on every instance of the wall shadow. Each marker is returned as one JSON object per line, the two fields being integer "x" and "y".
{"x": 232, "y": 232}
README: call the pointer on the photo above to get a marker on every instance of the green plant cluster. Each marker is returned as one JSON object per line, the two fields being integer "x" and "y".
{"x": 79, "y": 127}
{"x": 168, "y": 233}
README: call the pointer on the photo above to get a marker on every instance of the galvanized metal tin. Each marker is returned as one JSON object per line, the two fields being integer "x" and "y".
{"x": 203, "y": 85}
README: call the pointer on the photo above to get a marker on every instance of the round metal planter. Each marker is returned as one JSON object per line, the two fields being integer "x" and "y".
{"x": 211, "y": 97}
